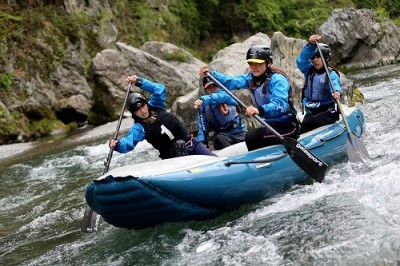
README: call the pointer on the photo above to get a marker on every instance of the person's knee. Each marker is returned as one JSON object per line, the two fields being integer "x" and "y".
{"x": 251, "y": 138}
{"x": 328, "y": 118}
{"x": 308, "y": 124}
{"x": 220, "y": 142}
{"x": 179, "y": 149}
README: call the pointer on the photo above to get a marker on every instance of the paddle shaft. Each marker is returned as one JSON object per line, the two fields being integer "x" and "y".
{"x": 333, "y": 87}
{"x": 259, "y": 119}
{"x": 121, "y": 115}
{"x": 355, "y": 148}
{"x": 91, "y": 220}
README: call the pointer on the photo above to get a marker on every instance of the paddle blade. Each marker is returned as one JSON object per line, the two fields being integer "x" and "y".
{"x": 307, "y": 161}
{"x": 91, "y": 221}
{"x": 356, "y": 149}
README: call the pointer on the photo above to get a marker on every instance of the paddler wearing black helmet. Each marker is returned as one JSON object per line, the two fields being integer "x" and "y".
{"x": 271, "y": 94}
{"x": 163, "y": 130}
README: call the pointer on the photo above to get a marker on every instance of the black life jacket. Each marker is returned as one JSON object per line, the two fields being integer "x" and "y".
{"x": 163, "y": 131}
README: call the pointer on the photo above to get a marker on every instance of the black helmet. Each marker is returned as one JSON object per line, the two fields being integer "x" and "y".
{"x": 259, "y": 54}
{"x": 207, "y": 81}
{"x": 135, "y": 101}
{"x": 325, "y": 50}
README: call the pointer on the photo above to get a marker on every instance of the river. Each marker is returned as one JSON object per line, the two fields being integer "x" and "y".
{"x": 352, "y": 218}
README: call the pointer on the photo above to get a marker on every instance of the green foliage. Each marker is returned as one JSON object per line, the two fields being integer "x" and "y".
{"x": 382, "y": 12}
{"x": 45, "y": 127}
{"x": 14, "y": 125}
{"x": 3, "y": 113}
{"x": 184, "y": 23}
{"x": 187, "y": 15}
{"x": 176, "y": 55}
{"x": 262, "y": 15}
{"x": 7, "y": 127}
{"x": 357, "y": 97}
{"x": 138, "y": 22}
{"x": 96, "y": 119}
{"x": 15, "y": 115}
{"x": 4, "y": 17}
{"x": 396, "y": 21}
{"x": 11, "y": 124}
{"x": 391, "y": 7}
{"x": 6, "y": 80}
{"x": 149, "y": 24}
{"x": 297, "y": 18}
{"x": 42, "y": 36}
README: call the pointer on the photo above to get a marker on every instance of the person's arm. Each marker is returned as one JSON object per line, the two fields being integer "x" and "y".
{"x": 219, "y": 97}
{"x": 130, "y": 140}
{"x": 336, "y": 82}
{"x": 303, "y": 60}
{"x": 233, "y": 82}
{"x": 279, "y": 104}
{"x": 230, "y": 82}
{"x": 158, "y": 92}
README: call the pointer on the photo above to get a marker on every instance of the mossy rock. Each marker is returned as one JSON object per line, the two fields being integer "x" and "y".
{"x": 357, "y": 97}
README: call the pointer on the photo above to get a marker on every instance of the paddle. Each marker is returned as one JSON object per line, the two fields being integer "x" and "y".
{"x": 91, "y": 220}
{"x": 307, "y": 161}
{"x": 356, "y": 150}
{"x": 200, "y": 115}
{"x": 203, "y": 126}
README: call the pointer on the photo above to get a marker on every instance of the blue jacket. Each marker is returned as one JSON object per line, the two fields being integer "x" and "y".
{"x": 319, "y": 90}
{"x": 277, "y": 109}
{"x": 210, "y": 117}
{"x": 136, "y": 133}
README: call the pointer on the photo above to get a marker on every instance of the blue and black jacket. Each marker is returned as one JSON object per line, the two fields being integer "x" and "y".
{"x": 162, "y": 131}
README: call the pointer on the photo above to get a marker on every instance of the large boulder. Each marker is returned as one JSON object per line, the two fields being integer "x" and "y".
{"x": 159, "y": 62}
{"x": 361, "y": 38}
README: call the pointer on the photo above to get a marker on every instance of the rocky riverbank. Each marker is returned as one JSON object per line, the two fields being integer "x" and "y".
{"x": 74, "y": 94}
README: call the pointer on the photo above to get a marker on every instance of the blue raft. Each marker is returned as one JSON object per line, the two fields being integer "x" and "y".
{"x": 202, "y": 187}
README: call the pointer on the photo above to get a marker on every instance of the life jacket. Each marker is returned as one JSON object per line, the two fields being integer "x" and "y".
{"x": 163, "y": 130}
{"x": 316, "y": 87}
{"x": 223, "y": 118}
{"x": 262, "y": 95}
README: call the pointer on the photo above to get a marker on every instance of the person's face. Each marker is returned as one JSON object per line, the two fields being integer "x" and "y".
{"x": 143, "y": 111}
{"x": 211, "y": 88}
{"x": 258, "y": 69}
{"x": 317, "y": 62}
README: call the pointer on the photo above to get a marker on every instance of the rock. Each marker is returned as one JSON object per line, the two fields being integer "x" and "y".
{"x": 180, "y": 78}
{"x": 73, "y": 109}
{"x": 360, "y": 38}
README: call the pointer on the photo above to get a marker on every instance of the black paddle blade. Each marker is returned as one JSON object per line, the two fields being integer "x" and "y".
{"x": 307, "y": 161}
{"x": 91, "y": 221}
{"x": 356, "y": 149}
